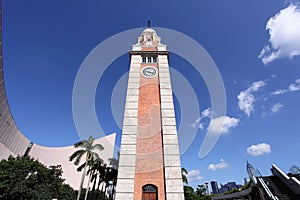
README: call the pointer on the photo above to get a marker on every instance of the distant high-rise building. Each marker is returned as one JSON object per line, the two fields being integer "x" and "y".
{"x": 214, "y": 187}
{"x": 207, "y": 188}
{"x": 251, "y": 172}
{"x": 228, "y": 186}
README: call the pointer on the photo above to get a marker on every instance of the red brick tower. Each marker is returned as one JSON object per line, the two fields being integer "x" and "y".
{"x": 149, "y": 167}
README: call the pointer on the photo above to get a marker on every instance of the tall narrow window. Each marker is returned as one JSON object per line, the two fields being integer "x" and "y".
{"x": 154, "y": 59}
{"x": 149, "y": 59}
{"x": 144, "y": 59}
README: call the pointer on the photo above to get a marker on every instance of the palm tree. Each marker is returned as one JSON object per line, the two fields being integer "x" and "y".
{"x": 112, "y": 177}
{"x": 200, "y": 190}
{"x": 102, "y": 174}
{"x": 114, "y": 162}
{"x": 184, "y": 174}
{"x": 94, "y": 172}
{"x": 87, "y": 149}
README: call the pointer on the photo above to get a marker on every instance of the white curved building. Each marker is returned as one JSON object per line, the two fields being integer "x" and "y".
{"x": 13, "y": 142}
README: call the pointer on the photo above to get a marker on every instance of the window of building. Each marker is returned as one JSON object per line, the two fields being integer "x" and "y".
{"x": 149, "y": 59}
{"x": 154, "y": 59}
{"x": 144, "y": 59}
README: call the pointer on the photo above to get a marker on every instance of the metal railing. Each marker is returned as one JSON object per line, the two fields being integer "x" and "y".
{"x": 267, "y": 190}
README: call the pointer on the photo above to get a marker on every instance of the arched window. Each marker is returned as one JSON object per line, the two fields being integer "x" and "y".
{"x": 149, "y": 192}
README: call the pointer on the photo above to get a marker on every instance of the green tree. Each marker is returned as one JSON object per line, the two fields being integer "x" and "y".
{"x": 87, "y": 148}
{"x": 94, "y": 172}
{"x": 200, "y": 190}
{"x": 101, "y": 176}
{"x": 26, "y": 178}
{"x": 189, "y": 193}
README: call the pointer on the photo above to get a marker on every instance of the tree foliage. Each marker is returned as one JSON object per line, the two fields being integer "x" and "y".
{"x": 87, "y": 148}
{"x": 190, "y": 194}
{"x": 27, "y": 178}
{"x": 101, "y": 174}
{"x": 200, "y": 190}
{"x": 184, "y": 174}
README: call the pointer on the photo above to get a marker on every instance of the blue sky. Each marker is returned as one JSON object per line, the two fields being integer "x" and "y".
{"x": 255, "y": 45}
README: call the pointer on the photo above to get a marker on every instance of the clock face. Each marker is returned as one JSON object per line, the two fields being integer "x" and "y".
{"x": 149, "y": 72}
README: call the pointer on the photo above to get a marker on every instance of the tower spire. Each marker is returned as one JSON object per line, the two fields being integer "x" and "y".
{"x": 149, "y": 23}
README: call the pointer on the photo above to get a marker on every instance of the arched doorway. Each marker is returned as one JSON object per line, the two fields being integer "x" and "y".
{"x": 149, "y": 192}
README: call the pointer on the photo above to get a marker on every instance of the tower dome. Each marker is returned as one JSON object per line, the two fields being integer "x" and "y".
{"x": 149, "y": 30}
{"x": 149, "y": 34}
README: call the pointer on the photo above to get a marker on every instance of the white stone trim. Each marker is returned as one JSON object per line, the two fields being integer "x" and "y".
{"x": 172, "y": 168}
{"x": 174, "y": 185}
{"x": 175, "y": 196}
{"x": 126, "y": 160}
{"x": 170, "y": 139}
{"x": 168, "y": 113}
{"x": 128, "y": 139}
{"x": 171, "y": 160}
{"x": 169, "y": 130}
{"x": 168, "y": 121}
{"x": 126, "y": 173}
{"x": 171, "y": 149}
{"x": 130, "y": 121}
{"x": 129, "y": 129}
{"x": 129, "y": 183}
{"x": 131, "y": 113}
{"x": 128, "y": 146}
{"x": 167, "y": 98}
{"x": 125, "y": 182}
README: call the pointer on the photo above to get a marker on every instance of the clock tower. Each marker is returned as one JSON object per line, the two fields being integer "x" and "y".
{"x": 149, "y": 165}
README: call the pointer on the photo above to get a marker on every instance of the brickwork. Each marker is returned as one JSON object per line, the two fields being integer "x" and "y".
{"x": 149, "y": 167}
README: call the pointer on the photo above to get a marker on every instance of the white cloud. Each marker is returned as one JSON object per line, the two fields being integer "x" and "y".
{"x": 284, "y": 32}
{"x": 206, "y": 113}
{"x": 276, "y": 107}
{"x": 221, "y": 165}
{"x": 194, "y": 175}
{"x": 223, "y": 123}
{"x": 292, "y": 88}
{"x": 195, "y": 123}
{"x": 279, "y": 91}
{"x": 246, "y": 97}
{"x": 201, "y": 126}
{"x": 259, "y": 149}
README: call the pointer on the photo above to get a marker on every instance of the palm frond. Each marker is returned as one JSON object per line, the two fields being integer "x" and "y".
{"x": 78, "y": 158}
{"x": 184, "y": 174}
{"x": 97, "y": 157}
{"x": 75, "y": 154}
{"x": 79, "y": 144}
{"x": 97, "y": 146}
{"x": 183, "y": 170}
{"x": 80, "y": 167}
{"x": 112, "y": 161}
{"x": 91, "y": 139}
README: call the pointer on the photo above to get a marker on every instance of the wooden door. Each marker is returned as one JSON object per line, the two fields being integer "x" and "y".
{"x": 149, "y": 192}
{"x": 149, "y": 196}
